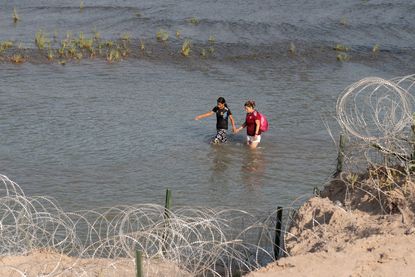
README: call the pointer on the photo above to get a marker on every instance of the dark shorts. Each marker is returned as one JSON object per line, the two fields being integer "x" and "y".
{"x": 221, "y": 136}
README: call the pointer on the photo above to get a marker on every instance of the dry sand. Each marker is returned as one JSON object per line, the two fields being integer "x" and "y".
{"x": 46, "y": 263}
{"x": 349, "y": 233}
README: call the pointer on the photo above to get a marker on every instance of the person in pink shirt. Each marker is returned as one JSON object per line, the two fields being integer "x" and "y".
{"x": 252, "y": 124}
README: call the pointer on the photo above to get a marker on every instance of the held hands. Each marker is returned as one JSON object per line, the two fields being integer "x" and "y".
{"x": 237, "y": 130}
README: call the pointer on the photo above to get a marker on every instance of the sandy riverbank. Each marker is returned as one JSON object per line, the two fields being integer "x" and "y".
{"x": 364, "y": 230}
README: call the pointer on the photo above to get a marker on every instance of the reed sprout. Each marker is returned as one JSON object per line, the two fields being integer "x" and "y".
{"x": 341, "y": 48}
{"x": 162, "y": 35}
{"x": 343, "y": 57}
{"x": 193, "y": 21}
{"x": 5, "y": 45}
{"x": 51, "y": 54}
{"x": 114, "y": 55}
{"x": 186, "y": 46}
{"x": 344, "y": 21}
{"x": 81, "y": 5}
{"x": 17, "y": 59}
{"x": 41, "y": 40}
{"x": 211, "y": 39}
{"x": 292, "y": 49}
{"x": 15, "y": 15}
{"x": 376, "y": 48}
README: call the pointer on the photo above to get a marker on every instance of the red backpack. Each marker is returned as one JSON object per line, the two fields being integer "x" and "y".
{"x": 263, "y": 122}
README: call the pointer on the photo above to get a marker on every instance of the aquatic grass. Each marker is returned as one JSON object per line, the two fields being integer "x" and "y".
{"x": 341, "y": 48}
{"x": 212, "y": 39}
{"x": 114, "y": 56}
{"x": 55, "y": 36}
{"x": 292, "y": 49}
{"x": 162, "y": 35}
{"x": 186, "y": 47}
{"x": 142, "y": 45}
{"x": 97, "y": 35}
{"x": 17, "y": 59}
{"x": 81, "y": 5}
{"x": 193, "y": 20}
{"x": 41, "y": 40}
{"x": 126, "y": 37}
{"x": 50, "y": 54}
{"x": 343, "y": 57}
{"x": 178, "y": 34}
{"x": 15, "y": 15}
{"x": 344, "y": 21}
{"x": 376, "y": 49}
{"x": 5, "y": 45}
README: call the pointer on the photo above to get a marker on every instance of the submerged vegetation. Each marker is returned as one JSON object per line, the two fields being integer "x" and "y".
{"x": 15, "y": 16}
{"x": 91, "y": 45}
{"x": 76, "y": 47}
{"x": 186, "y": 47}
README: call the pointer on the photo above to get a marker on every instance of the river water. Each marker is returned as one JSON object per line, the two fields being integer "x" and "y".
{"x": 92, "y": 134}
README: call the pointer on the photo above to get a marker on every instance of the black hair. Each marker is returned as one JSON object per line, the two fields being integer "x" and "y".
{"x": 222, "y": 101}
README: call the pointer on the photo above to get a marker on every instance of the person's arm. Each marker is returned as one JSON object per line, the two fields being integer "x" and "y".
{"x": 240, "y": 128}
{"x": 233, "y": 123}
{"x": 204, "y": 115}
{"x": 257, "y": 125}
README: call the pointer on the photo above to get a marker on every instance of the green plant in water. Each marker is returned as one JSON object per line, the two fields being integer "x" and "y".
{"x": 109, "y": 43}
{"x": 5, "y": 45}
{"x": 81, "y": 5}
{"x": 178, "y": 34}
{"x": 97, "y": 35}
{"x": 186, "y": 47}
{"x": 17, "y": 58}
{"x": 211, "y": 50}
{"x": 126, "y": 37}
{"x": 114, "y": 55}
{"x": 342, "y": 57}
{"x": 293, "y": 49}
{"x": 69, "y": 35}
{"x": 72, "y": 50}
{"x": 86, "y": 43}
{"x": 203, "y": 53}
{"x": 193, "y": 20}
{"x": 61, "y": 51}
{"x": 41, "y": 40}
{"x": 142, "y": 46}
{"x": 15, "y": 16}
{"x": 79, "y": 55}
{"x": 376, "y": 48}
{"x": 51, "y": 55}
{"x": 343, "y": 21}
{"x": 211, "y": 39}
{"x": 55, "y": 35}
{"x": 341, "y": 47}
{"x": 352, "y": 178}
{"x": 162, "y": 35}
